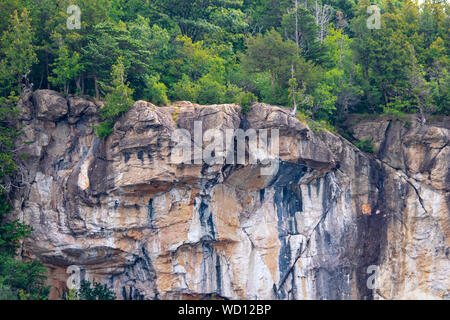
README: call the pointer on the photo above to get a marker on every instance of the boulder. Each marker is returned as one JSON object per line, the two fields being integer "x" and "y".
{"x": 79, "y": 107}
{"x": 50, "y": 105}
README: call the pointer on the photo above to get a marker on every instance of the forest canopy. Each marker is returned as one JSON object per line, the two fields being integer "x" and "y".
{"x": 210, "y": 52}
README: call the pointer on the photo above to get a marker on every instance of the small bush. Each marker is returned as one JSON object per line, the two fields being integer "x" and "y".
{"x": 303, "y": 116}
{"x": 176, "y": 116}
{"x": 118, "y": 100}
{"x": 184, "y": 89}
{"x": 320, "y": 126}
{"x": 365, "y": 145}
{"x": 88, "y": 292}
{"x": 209, "y": 91}
{"x": 156, "y": 92}
{"x": 104, "y": 129}
{"x": 232, "y": 93}
{"x": 394, "y": 112}
{"x": 245, "y": 100}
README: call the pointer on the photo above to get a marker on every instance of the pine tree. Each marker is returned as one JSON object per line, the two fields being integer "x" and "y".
{"x": 118, "y": 100}
{"x": 18, "y": 51}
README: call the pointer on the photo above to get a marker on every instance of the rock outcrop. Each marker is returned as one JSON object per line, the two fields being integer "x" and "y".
{"x": 326, "y": 222}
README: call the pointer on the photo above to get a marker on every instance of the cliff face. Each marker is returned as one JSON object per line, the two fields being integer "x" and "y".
{"x": 318, "y": 227}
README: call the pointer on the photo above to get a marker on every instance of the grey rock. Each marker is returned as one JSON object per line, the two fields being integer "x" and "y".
{"x": 50, "y": 105}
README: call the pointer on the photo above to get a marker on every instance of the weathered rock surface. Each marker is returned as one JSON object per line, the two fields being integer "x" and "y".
{"x": 151, "y": 229}
{"x": 50, "y": 105}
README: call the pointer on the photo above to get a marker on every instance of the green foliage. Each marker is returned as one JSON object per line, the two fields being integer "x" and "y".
{"x": 97, "y": 292}
{"x": 304, "y": 116}
{"x": 25, "y": 279}
{"x": 175, "y": 116}
{"x": 270, "y": 53}
{"x": 18, "y": 51}
{"x": 320, "y": 126}
{"x": 18, "y": 279}
{"x": 118, "y": 100}
{"x": 155, "y": 91}
{"x": 6, "y": 293}
{"x": 198, "y": 48}
{"x": 184, "y": 89}
{"x": 245, "y": 100}
{"x": 209, "y": 91}
{"x": 66, "y": 67}
{"x": 215, "y": 50}
{"x": 365, "y": 145}
{"x": 394, "y": 110}
{"x": 309, "y": 45}
{"x": 104, "y": 129}
{"x": 89, "y": 291}
{"x": 71, "y": 295}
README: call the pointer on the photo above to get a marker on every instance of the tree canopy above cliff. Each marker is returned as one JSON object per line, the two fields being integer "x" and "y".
{"x": 345, "y": 55}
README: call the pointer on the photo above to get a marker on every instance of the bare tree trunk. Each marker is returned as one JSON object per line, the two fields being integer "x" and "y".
{"x": 322, "y": 14}
{"x": 42, "y": 78}
{"x": 296, "y": 27}
{"x": 96, "y": 87}
{"x": 77, "y": 82}
{"x": 46, "y": 68}
{"x": 294, "y": 91}
{"x": 272, "y": 80}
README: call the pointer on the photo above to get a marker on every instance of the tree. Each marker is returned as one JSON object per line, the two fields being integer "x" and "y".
{"x": 209, "y": 91}
{"x": 118, "y": 100}
{"x": 101, "y": 52}
{"x": 268, "y": 53}
{"x": 323, "y": 16}
{"x": 385, "y": 56}
{"x": 17, "y": 55}
{"x": 66, "y": 68}
{"x": 155, "y": 91}
{"x": 18, "y": 51}
{"x": 300, "y": 26}
{"x": 208, "y": 20}
{"x": 298, "y": 95}
{"x": 342, "y": 74}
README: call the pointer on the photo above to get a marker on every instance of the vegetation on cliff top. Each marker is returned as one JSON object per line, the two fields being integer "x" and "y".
{"x": 318, "y": 56}
{"x": 213, "y": 51}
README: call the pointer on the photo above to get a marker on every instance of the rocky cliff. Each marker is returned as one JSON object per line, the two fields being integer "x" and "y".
{"x": 318, "y": 227}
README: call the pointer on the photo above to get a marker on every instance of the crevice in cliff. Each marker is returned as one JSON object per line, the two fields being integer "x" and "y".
{"x": 407, "y": 178}
{"x": 418, "y": 195}
{"x": 151, "y": 214}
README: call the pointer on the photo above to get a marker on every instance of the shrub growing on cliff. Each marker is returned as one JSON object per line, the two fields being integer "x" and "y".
{"x": 209, "y": 91}
{"x": 365, "y": 145}
{"x": 245, "y": 100}
{"x": 118, "y": 100}
{"x": 96, "y": 292}
{"x": 87, "y": 291}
